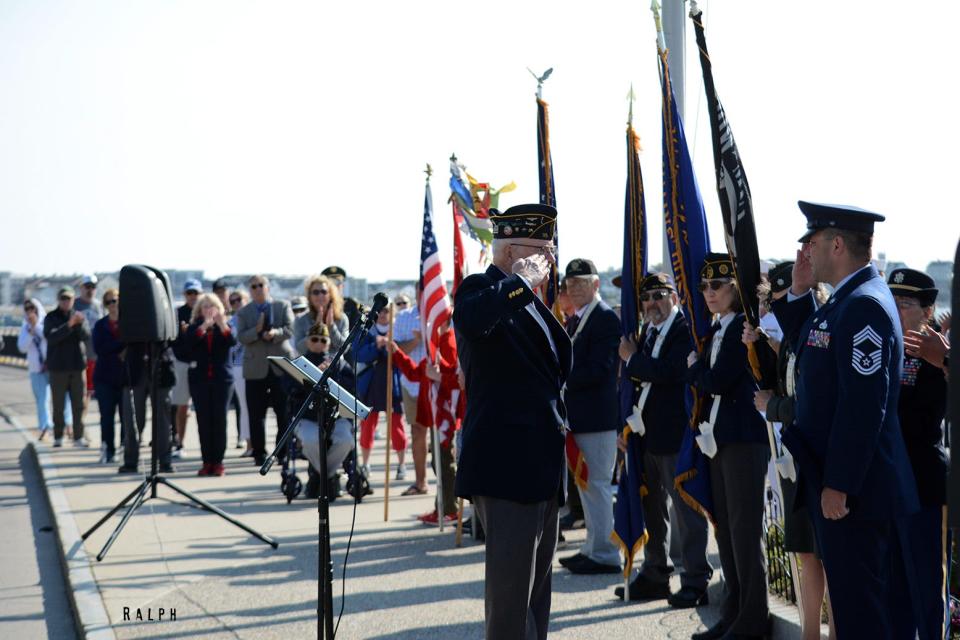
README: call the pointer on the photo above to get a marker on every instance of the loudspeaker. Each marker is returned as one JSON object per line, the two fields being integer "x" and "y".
{"x": 953, "y": 403}
{"x": 146, "y": 308}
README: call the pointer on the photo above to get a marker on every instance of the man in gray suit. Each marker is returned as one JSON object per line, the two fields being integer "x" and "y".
{"x": 265, "y": 327}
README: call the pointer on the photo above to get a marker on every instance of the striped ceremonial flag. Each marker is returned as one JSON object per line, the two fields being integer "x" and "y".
{"x": 433, "y": 302}
{"x": 689, "y": 242}
{"x": 629, "y": 525}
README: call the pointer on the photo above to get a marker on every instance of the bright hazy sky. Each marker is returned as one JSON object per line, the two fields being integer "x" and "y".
{"x": 236, "y": 136}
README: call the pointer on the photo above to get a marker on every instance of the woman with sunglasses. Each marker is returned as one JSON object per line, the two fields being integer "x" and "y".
{"x": 208, "y": 340}
{"x": 109, "y": 376}
{"x": 922, "y": 406}
{"x": 324, "y": 304}
{"x": 32, "y": 344}
{"x": 733, "y": 435}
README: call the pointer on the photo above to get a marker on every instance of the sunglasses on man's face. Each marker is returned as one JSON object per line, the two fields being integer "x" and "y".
{"x": 65, "y": 298}
{"x": 110, "y": 302}
{"x": 319, "y": 292}
{"x": 193, "y": 293}
{"x": 713, "y": 285}
{"x": 256, "y": 285}
{"x": 321, "y": 340}
{"x": 655, "y": 296}
{"x": 235, "y": 300}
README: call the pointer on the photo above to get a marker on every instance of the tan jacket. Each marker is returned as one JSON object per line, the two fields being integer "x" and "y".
{"x": 256, "y": 350}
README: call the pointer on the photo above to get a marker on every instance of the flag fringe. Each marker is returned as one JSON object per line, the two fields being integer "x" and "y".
{"x": 629, "y": 553}
{"x": 692, "y": 502}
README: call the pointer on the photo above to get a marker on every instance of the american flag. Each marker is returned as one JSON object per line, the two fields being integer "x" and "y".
{"x": 432, "y": 301}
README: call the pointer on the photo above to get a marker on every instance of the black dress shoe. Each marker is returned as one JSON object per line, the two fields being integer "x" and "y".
{"x": 586, "y": 566}
{"x": 643, "y": 588}
{"x": 167, "y": 468}
{"x": 715, "y": 632}
{"x": 564, "y": 562}
{"x": 128, "y": 469}
{"x": 688, "y": 597}
{"x": 571, "y": 521}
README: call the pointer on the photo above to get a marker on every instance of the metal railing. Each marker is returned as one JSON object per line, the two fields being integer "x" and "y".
{"x": 779, "y": 574}
{"x": 9, "y": 354}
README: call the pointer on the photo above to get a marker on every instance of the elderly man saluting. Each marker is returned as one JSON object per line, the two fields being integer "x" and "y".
{"x": 515, "y": 357}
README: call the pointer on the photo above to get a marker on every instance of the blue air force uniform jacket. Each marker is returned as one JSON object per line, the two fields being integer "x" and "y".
{"x": 513, "y": 429}
{"x": 591, "y": 395}
{"x": 847, "y": 433}
{"x": 664, "y": 413}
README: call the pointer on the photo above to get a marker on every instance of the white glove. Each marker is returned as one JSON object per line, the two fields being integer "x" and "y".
{"x": 785, "y": 466}
{"x": 635, "y": 422}
{"x": 706, "y": 441}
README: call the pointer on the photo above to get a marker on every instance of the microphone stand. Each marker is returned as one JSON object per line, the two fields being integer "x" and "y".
{"x": 325, "y": 561}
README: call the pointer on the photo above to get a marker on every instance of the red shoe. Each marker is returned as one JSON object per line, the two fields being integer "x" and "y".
{"x": 217, "y": 469}
{"x": 205, "y": 470}
{"x": 431, "y": 518}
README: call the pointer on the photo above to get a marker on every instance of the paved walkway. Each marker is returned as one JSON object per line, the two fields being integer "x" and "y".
{"x": 404, "y": 580}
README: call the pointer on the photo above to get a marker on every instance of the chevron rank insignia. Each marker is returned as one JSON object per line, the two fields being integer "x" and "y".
{"x": 866, "y": 358}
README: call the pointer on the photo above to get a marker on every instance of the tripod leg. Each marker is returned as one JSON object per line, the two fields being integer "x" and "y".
{"x": 123, "y": 521}
{"x": 113, "y": 511}
{"x": 209, "y": 507}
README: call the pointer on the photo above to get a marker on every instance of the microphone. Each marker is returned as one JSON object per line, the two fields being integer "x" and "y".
{"x": 379, "y": 302}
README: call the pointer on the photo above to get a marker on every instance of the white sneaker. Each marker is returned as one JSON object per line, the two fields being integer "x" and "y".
{"x": 366, "y": 469}
{"x": 402, "y": 472}
{"x": 81, "y": 443}
{"x": 58, "y": 442}
{"x": 177, "y": 453}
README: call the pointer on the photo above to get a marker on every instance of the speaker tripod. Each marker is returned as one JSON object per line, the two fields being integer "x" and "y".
{"x": 147, "y": 489}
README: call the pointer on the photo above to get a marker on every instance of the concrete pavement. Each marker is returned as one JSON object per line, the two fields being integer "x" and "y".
{"x": 403, "y": 580}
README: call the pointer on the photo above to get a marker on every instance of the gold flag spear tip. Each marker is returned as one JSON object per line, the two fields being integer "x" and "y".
{"x": 655, "y": 8}
{"x": 540, "y": 79}
{"x": 428, "y": 171}
{"x": 632, "y": 97}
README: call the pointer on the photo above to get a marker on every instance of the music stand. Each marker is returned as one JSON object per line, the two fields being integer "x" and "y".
{"x": 321, "y": 387}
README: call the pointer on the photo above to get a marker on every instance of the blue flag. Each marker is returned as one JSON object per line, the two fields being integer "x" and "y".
{"x": 689, "y": 242}
{"x": 547, "y": 193}
{"x": 629, "y": 527}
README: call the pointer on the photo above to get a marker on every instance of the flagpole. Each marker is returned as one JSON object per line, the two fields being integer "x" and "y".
{"x": 389, "y": 411}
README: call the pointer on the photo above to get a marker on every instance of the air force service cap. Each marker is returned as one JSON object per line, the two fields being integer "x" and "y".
{"x": 836, "y": 216}
{"x": 525, "y": 221}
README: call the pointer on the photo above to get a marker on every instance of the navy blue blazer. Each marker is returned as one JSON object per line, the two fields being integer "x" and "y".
{"x": 591, "y": 396}
{"x": 738, "y": 420}
{"x": 108, "y": 347}
{"x": 211, "y": 354}
{"x": 847, "y": 432}
{"x": 664, "y": 414}
{"x": 513, "y": 428}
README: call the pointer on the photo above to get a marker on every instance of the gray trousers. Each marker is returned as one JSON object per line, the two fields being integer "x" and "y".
{"x": 133, "y": 418}
{"x": 659, "y": 471}
{"x": 737, "y": 476}
{"x": 62, "y": 382}
{"x": 521, "y": 539}
{"x": 600, "y": 452}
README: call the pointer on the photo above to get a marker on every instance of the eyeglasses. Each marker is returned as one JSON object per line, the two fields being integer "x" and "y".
{"x": 655, "y": 296}
{"x": 191, "y": 292}
{"x": 110, "y": 302}
{"x": 545, "y": 249}
{"x": 713, "y": 285}
{"x": 236, "y": 300}
{"x": 319, "y": 292}
{"x": 256, "y": 285}
{"x": 320, "y": 339}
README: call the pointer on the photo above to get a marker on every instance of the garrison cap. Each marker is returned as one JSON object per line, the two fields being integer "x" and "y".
{"x": 580, "y": 267}
{"x": 319, "y": 329}
{"x": 530, "y": 221}
{"x": 716, "y": 265}
{"x": 657, "y": 280}
{"x": 911, "y": 283}
{"x": 781, "y": 276}
{"x": 836, "y": 216}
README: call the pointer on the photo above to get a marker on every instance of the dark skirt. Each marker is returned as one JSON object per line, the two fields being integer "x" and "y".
{"x": 798, "y": 536}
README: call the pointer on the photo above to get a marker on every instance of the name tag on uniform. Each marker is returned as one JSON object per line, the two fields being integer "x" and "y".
{"x": 818, "y": 338}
